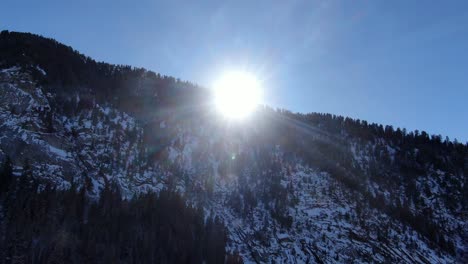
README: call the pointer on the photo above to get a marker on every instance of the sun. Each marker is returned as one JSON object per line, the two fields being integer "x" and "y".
{"x": 237, "y": 94}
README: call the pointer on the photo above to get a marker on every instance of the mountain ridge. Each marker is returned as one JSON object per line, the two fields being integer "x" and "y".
{"x": 288, "y": 187}
{"x": 52, "y": 43}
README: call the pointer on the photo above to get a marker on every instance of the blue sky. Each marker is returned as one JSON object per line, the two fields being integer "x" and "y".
{"x": 403, "y": 63}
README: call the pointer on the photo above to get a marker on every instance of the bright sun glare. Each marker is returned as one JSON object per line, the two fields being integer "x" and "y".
{"x": 237, "y": 94}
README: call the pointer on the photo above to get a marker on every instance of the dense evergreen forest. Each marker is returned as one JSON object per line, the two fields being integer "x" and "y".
{"x": 70, "y": 73}
{"x": 46, "y": 225}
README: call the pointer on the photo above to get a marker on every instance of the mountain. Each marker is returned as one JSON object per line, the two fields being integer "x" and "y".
{"x": 111, "y": 163}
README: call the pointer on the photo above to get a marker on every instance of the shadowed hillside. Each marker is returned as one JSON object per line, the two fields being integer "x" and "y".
{"x": 110, "y": 163}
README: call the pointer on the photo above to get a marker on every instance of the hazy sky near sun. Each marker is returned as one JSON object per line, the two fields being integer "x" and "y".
{"x": 403, "y": 63}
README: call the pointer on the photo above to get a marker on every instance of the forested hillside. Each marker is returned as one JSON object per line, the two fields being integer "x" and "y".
{"x": 111, "y": 163}
{"x": 44, "y": 225}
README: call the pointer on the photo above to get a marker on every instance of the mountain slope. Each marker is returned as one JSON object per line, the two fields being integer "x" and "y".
{"x": 288, "y": 187}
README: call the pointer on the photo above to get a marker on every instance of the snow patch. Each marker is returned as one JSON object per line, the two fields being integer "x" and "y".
{"x": 59, "y": 152}
{"x": 41, "y": 70}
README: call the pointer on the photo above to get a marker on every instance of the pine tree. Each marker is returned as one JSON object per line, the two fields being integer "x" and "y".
{"x": 6, "y": 175}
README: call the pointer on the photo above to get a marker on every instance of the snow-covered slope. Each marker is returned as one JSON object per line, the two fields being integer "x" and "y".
{"x": 277, "y": 205}
{"x": 90, "y": 147}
